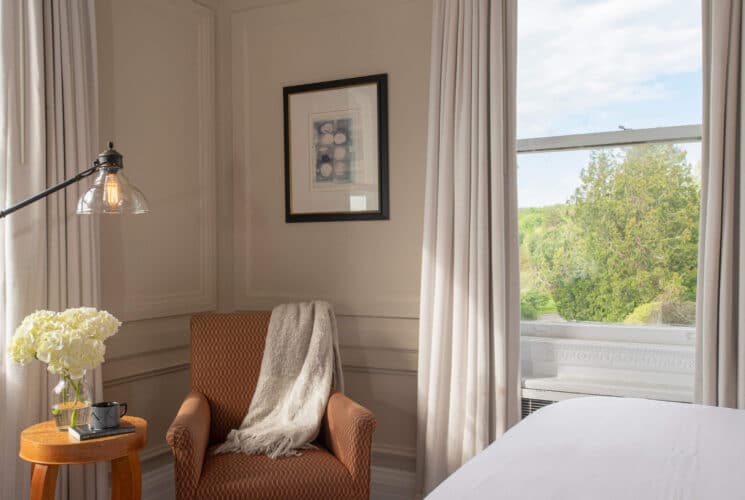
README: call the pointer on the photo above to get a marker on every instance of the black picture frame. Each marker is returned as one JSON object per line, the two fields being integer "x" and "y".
{"x": 381, "y": 82}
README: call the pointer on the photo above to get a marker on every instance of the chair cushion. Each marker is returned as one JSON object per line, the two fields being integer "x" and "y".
{"x": 316, "y": 474}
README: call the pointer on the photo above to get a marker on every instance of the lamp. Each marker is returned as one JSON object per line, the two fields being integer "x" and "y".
{"x": 111, "y": 192}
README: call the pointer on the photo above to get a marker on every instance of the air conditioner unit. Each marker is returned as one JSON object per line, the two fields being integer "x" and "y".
{"x": 529, "y": 405}
{"x": 533, "y": 400}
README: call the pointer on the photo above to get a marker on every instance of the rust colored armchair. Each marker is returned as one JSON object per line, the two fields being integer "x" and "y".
{"x": 226, "y": 352}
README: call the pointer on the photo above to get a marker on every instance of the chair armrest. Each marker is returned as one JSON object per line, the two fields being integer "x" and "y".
{"x": 188, "y": 436}
{"x": 348, "y": 429}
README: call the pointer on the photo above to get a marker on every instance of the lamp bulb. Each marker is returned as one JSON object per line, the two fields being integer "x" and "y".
{"x": 112, "y": 191}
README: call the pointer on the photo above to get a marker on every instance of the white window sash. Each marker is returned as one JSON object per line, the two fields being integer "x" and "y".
{"x": 670, "y": 335}
{"x": 677, "y": 134}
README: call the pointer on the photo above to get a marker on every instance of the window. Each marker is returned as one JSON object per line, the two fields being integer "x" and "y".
{"x": 609, "y": 113}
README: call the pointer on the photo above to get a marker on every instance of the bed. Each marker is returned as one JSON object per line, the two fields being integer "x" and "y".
{"x": 610, "y": 448}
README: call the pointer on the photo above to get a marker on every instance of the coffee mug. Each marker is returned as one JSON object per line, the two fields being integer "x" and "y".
{"x": 106, "y": 414}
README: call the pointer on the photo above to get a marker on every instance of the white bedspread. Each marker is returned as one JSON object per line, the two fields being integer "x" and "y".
{"x": 610, "y": 448}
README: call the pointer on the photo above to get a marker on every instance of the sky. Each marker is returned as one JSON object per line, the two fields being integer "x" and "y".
{"x": 594, "y": 65}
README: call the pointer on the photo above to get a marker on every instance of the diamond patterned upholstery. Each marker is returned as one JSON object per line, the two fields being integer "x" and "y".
{"x": 315, "y": 474}
{"x": 226, "y": 353}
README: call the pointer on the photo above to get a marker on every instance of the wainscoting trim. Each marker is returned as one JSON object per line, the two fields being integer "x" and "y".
{"x": 151, "y": 364}
{"x": 139, "y": 338}
{"x": 159, "y": 483}
{"x": 394, "y": 360}
{"x": 393, "y": 450}
{"x": 204, "y": 296}
{"x": 388, "y": 307}
{"x": 145, "y": 375}
{"x": 392, "y": 484}
{"x": 380, "y": 371}
{"x": 156, "y": 451}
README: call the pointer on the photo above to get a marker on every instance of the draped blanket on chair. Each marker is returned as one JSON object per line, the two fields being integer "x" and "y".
{"x": 301, "y": 363}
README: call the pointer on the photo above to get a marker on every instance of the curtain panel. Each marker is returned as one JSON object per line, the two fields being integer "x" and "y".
{"x": 720, "y": 314}
{"x": 73, "y": 268}
{"x": 22, "y": 235}
{"x": 48, "y": 255}
{"x": 469, "y": 333}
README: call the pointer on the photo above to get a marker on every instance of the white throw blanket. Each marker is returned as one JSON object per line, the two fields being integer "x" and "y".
{"x": 301, "y": 363}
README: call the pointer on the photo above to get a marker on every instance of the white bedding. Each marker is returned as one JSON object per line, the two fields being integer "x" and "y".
{"x": 610, "y": 448}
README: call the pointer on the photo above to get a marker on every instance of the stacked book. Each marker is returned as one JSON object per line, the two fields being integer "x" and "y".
{"x": 85, "y": 432}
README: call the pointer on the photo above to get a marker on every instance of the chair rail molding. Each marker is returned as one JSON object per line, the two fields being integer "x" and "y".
{"x": 404, "y": 307}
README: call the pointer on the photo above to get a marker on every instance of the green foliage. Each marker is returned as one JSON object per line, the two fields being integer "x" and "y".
{"x": 665, "y": 313}
{"x": 627, "y": 238}
{"x": 650, "y": 312}
{"x": 534, "y": 304}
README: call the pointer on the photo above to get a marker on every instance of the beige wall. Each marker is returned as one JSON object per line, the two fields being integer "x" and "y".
{"x": 368, "y": 269}
{"x": 160, "y": 63}
{"x": 157, "y": 93}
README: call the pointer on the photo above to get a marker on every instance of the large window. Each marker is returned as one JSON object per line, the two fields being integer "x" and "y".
{"x": 609, "y": 113}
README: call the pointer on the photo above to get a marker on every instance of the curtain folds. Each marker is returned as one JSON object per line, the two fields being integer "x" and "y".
{"x": 720, "y": 315}
{"x": 48, "y": 256}
{"x": 468, "y": 382}
{"x": 73, "y": 275}
{"x": 23, "y": 234}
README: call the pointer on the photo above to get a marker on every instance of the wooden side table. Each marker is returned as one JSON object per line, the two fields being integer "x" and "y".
{"x": 47, "y": 448}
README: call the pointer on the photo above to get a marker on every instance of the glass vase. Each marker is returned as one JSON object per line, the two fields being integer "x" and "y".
{"x": 71, "y": 403}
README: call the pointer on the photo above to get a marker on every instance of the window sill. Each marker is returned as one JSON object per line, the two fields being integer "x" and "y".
{"x": 612, "y": 360}
{"x": 642, "y": 334}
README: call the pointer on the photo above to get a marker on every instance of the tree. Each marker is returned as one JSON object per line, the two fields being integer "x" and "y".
{"x": 627, "y": 237}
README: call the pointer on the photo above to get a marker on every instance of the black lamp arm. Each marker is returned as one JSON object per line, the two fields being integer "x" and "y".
{"x": 72, "y": 180}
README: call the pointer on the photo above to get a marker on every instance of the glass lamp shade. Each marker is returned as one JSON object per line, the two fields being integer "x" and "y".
{"x": 112, "y": 193}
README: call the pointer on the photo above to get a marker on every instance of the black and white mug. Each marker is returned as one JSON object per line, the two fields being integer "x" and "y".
{"x": 106, "y": 414}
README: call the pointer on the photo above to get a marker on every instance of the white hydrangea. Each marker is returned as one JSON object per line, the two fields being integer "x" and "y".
{"x": 69, "y": 342}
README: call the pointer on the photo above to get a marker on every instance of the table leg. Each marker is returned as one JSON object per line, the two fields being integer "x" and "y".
{"x": 43, "y": 481}
{"x": 126, "y": 478}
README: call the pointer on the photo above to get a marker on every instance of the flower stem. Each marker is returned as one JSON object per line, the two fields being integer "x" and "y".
{"x": 76, "y": 387}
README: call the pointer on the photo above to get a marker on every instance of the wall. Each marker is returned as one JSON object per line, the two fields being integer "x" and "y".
{"x": 157, "y": 93}
{"x": 369, "y": 270}
{"x": 160, "y": 63}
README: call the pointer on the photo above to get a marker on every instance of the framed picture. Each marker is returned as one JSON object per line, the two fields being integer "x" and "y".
{"x": 336, "y": 150}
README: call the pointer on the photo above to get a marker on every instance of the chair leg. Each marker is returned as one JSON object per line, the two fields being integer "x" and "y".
{"x": 126, "y": 478}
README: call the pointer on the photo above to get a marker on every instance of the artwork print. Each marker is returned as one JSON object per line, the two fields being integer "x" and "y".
{"x": 335, "y": 151}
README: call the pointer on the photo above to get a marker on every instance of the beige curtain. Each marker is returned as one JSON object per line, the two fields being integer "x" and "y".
{"x": 23, "y": 390}
{"x": 720, "y": 322}
{"x": 48, "y": 255}
{"x": 469, "y": 315}
{"x": 71, "y": 143}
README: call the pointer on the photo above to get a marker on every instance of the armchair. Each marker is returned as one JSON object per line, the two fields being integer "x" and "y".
{"x": 226, "y": 353}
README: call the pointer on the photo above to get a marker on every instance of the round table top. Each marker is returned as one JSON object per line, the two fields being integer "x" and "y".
{"x": 44, "y": 444}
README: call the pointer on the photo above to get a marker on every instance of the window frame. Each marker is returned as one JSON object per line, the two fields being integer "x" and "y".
{"x": 612, "y": 332}
{"x": 563, "y": 359}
